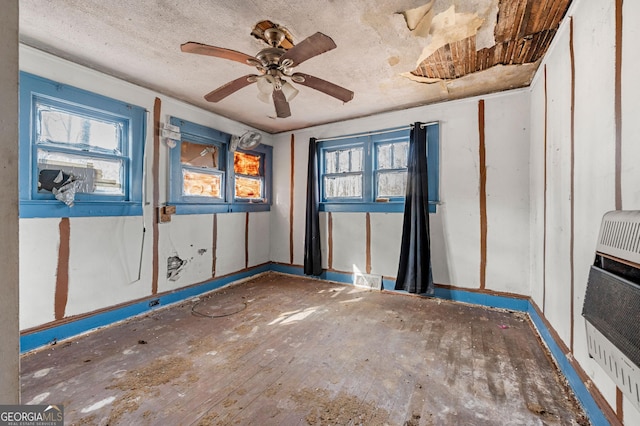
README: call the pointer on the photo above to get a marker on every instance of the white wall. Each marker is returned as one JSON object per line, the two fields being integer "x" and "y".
{"x": 9, "y": 345}
{"x": 455, "y": 228}
{"x": 104, "y": 252}
{"x": 594, "y": 170}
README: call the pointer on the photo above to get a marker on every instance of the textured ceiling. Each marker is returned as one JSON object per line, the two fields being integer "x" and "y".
{"x": 392, "y": 55}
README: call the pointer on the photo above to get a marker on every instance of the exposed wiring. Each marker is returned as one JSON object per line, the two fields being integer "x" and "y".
{"x": 200, "y": 314}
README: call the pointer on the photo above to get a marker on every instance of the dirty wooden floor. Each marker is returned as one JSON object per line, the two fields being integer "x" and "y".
{"x": 282, "y": 350}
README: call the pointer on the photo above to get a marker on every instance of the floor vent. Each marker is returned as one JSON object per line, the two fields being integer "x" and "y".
{"x": 373, "y": 282}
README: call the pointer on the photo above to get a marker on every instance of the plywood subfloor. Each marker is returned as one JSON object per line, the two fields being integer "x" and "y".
{"x": 294, "y": 351}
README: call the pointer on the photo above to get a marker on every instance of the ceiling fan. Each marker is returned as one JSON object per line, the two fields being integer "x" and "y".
{"x": 275, "y": 64}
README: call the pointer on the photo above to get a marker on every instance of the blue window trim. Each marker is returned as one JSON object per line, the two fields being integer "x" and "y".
{"x": 367, "y": 202}
{"x": 198, "y": 133}
{"x": 34, "y": 204}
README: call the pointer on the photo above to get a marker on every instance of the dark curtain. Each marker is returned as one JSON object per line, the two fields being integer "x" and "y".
{"x": 312, "y": 257}
{"x": 414, "y": 268}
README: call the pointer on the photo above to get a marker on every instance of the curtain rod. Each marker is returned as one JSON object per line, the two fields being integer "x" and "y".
{"x": 379, "y": 132}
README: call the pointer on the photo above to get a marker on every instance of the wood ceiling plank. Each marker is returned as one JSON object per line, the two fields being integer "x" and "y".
{"x": 449, "y": 62}
{"x": 508, "y": 13}
{"x": 457, "y": 57}
{"x": 471, "y": 66}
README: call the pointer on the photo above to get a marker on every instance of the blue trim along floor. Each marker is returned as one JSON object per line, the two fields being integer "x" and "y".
{"x": 37, "y": 339}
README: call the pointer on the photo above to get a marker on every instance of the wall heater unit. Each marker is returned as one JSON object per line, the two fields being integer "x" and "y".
{"x": 612, "y": 301}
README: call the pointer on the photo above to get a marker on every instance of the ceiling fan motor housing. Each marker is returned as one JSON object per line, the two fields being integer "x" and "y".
{"x": 274, "y": 36}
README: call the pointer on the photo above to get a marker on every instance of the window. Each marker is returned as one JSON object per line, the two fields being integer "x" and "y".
{"x": 249, "y": 176}
{"x": 207, "y": 178}
{"x": 80, "y": 153}
{"x": 369, "y": 173}
{"x": 198, "y": 165}
{"x": 343, "y": 173}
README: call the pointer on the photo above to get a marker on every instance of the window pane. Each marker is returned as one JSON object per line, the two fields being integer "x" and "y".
{"x": 400, "y": 153}
{"x": 392, "y": 156}
{"x": 59, "y": 126}
{"x": 384, "y": 156}
{"x": 201, "y": 184}
{"x": 246, "y": 164}
{"x": 248, "y": 188}
{"x": 344, "y": 161}
{"x": 391, "y": 184}
{"x": 356, "y": 160}
{"x": 198, "y": 155}
{"x": 343, "y": 186}
{"x": 106, "y": 173}
{"x": 330, "y": 165}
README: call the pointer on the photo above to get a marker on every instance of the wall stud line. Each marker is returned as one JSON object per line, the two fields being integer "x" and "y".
{"x": 330, "y": 241}
{"x": 214, "y": 245}
{"x": 572, "y": 172}
{"x": 619, "y": 405}
{"x": 246, "y": 241}
{"x": 156, "y": 192}
{"x": 483, "y": 195}
{"x": 62, "y": 270}
{"x": 618, "y": 106}
{"x": 544, "y": 202}
{"x": 291, "y": 186}
{"x": 618, "y": 149}
{"x": 368, "y": 242}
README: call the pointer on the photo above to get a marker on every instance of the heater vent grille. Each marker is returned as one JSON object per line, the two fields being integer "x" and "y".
{"x": 611, "y": 304}
{"x": 620, "y": 235}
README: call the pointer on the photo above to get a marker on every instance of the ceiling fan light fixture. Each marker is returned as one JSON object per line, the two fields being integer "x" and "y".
{"x": 264, "y": 97}
{"x": 265, "y": 84}
{"x": 289, "y": 91}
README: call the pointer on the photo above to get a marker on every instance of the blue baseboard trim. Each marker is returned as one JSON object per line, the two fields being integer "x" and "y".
{"x": 590, "y": 406}
{"x": 47, "y": 336}
{"x": 37, "y": 339}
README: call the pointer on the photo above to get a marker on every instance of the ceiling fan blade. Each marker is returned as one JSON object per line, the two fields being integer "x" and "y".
{"x": 308, "y": 48}
{"x": 281, "y": 104}
{"x": 218, "y": 52}
{"x": 229, "y": 88}
{"x": 323, "y": 86}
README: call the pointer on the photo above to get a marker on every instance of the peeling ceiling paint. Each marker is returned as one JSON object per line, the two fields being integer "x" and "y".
{"x": 419, "y": 19}
{"x": 139, "y": 41}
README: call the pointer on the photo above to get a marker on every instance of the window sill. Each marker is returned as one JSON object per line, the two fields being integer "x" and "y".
{"x": 388, "y": 207}
{"x": 193, "y": 208}
{"x": 55, "y": 208}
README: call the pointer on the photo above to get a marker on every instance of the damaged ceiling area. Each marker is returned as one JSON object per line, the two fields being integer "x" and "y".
{"x": 391, "y": 55}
